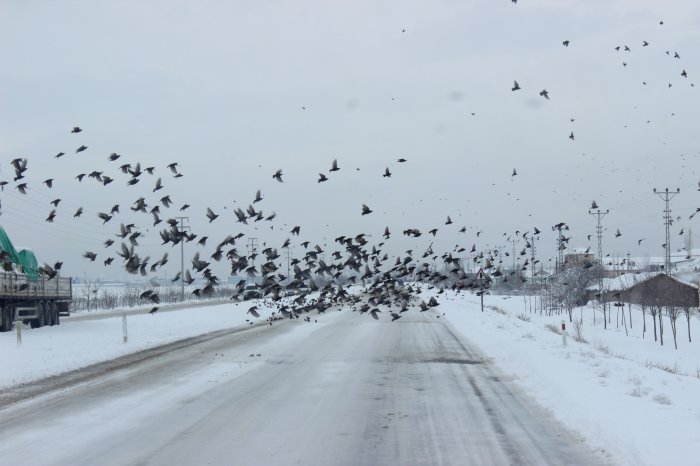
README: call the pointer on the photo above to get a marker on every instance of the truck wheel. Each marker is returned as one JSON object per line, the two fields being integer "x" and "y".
{"x": 6, "y": 315}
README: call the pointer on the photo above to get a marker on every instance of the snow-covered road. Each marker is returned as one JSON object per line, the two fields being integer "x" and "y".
{"x": 346, "y": 390}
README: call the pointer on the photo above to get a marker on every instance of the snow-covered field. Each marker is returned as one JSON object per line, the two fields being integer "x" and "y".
{"x": 610, "y": 389}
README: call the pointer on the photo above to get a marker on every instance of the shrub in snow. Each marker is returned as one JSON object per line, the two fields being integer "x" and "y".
{"x": 578, "y": 331}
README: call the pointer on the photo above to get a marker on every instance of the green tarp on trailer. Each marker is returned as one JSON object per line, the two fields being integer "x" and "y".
{"x": 6, "y": 247}
{"x": 24, "y": 258}
{"x": 27, "y": 260}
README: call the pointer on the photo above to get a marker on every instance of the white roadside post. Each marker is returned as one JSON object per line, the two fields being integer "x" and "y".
{"x": 563, "y": 332}
{"x": 125, "y": 336}
{"x": 18, "y": 328}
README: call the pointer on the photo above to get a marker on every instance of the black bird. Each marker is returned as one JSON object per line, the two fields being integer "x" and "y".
{"x": 104, "y": 217}
{"x": 78, "y": 212}
{"x": 544, "y": 93}
{"x": 90, "y": 255}
{"x": 158, "y": 185}
{"x": 395, "y": 316}
{"x": 514, "y": 173}
{"x": 51, "y": 216}
{"x": 258, "y": 197}
{"x": 449, "y": 221}
{"x": 401, "y": 160}
{"x": 113, "y": 156}
{"x": 80, "y": 149}
{"x": 278, "y": 175}
{"x": 516, "y": 86}
{"x": 153, "y": 310}
{"x": 173, "y": 167}
{"x": 334, "y": 166}
{"x": 571, "y": 136}
{"x": 76, "y": 129}
{"x": 49, "y": 182}
{"x": 22, "y": 188}
{"x": 253, "y": 311}
{"x": 366, "y": 210}
{"x": 594, "y": 205}
{"x": 387, "y": 173}
{"x": 55, "y": 202}
{"x": 322, "y": 178}
{"x": 211, "y": 215}
{"x": 59, "y": 155}
{"x": 565, "y": 43}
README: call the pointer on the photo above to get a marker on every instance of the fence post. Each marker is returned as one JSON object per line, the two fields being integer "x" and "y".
{"x": 125, "y": 336}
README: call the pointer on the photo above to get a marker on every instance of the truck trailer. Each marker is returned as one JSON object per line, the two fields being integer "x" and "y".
{"x": 26, "y": 292}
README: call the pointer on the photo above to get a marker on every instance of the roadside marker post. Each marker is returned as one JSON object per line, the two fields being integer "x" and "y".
{"x": 125, "y": 336}
{"x": 18, "y": 328}
{"x": 481, "y": 276}
{"x": 563, "y": 332}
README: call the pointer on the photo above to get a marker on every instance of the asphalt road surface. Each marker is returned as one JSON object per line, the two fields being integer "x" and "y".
{"x": 347, "y": 390}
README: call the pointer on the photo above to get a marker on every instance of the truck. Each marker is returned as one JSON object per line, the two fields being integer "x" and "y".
{"x": 27, "y": 293}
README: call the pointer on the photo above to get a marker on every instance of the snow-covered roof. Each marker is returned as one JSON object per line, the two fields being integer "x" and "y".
{"x": 624, "y": 281}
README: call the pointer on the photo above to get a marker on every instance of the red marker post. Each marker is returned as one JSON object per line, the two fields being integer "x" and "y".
{"x": 563, "y": 332}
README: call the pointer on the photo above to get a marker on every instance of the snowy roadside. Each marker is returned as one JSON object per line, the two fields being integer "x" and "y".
{"x": 78, "y": 343}
{"x": 611, "y": 389}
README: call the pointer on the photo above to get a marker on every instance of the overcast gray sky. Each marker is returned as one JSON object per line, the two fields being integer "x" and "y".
{"x": 233, "y": 91}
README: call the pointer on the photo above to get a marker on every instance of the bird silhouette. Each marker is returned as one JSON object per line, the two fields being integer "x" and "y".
{"x": 516, "y": 86}
{"x": 211, "y": 215}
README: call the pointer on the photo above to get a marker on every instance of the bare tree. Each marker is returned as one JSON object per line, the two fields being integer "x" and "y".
{"x": 689, "y": 312}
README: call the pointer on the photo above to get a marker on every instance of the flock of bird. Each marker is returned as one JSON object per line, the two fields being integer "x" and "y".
{"x": 354, "y": 258}
{"x": 354, "y": 261}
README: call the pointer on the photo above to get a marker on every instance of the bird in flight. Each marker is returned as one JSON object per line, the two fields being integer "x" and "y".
{"x": 76, "y": 129}
{"x": 516, "y": 86}
{"x": 211, "y": 215}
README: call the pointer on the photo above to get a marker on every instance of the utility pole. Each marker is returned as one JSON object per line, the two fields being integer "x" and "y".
{"x": 252, "y": 250}
{"x": 289, "y": 255}
{"x": 667, "y": 195}
{"x": 513, "y": 241}
{"x": 599, "y": 231}
{"x": 532, "y": 268}
{"x": 560, "y": 246}
{"x": 181, "y": 234}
